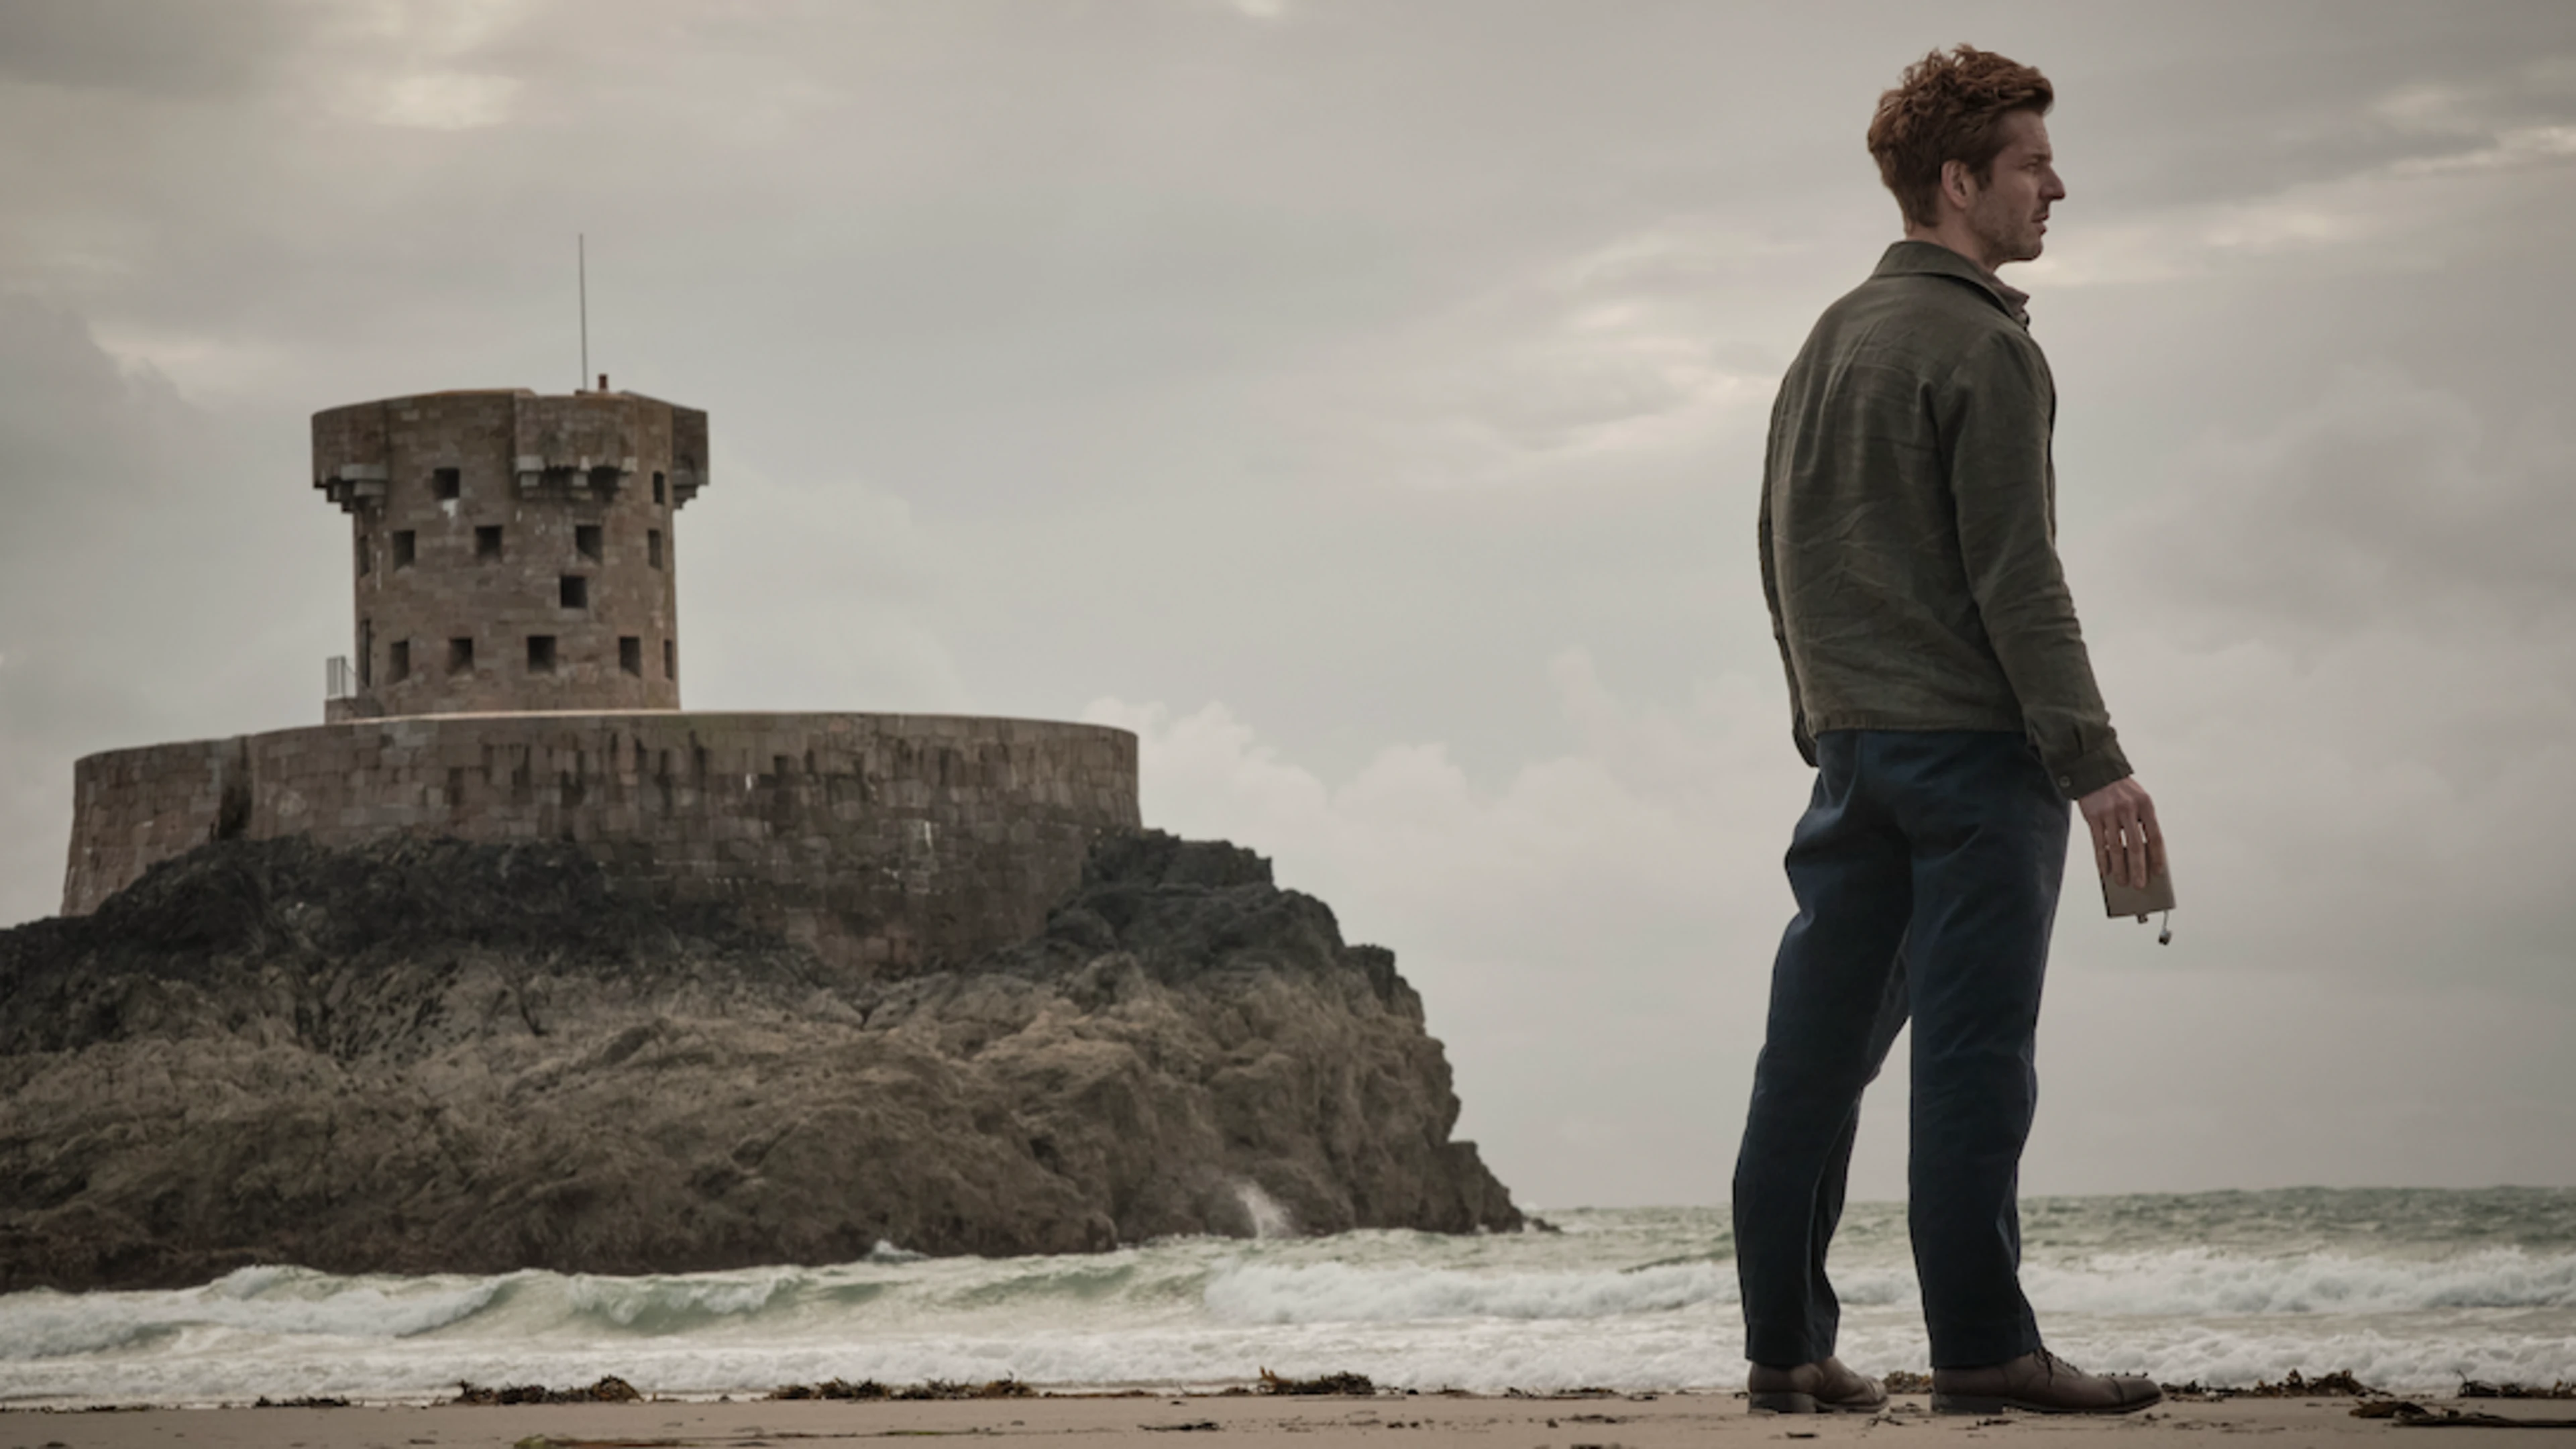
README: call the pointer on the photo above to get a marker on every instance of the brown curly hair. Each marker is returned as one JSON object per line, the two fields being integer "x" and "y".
{"x": 1949, "y": 108}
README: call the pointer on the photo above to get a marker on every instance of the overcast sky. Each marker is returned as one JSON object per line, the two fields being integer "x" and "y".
{"x": 1364, "y": 403}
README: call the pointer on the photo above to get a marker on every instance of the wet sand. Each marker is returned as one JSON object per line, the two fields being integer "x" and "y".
{"x": 1413, "y": 1422}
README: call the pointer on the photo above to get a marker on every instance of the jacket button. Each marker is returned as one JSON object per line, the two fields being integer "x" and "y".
{"x": 2066, "y": 782}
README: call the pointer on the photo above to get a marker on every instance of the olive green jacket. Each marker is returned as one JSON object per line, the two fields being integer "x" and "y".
{"x": 1909, "y": 523}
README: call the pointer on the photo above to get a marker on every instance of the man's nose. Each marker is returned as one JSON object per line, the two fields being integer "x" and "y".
{"x": 2054, "y": 187}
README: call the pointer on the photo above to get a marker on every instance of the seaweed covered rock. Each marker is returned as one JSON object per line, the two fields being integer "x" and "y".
{"x": 430, "y": 1056}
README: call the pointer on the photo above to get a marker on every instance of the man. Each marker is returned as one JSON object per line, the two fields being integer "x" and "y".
{"x": 1939, "y": 685}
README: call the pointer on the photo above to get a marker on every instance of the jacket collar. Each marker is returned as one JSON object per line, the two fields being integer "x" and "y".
{"x": 1931, "y": 259}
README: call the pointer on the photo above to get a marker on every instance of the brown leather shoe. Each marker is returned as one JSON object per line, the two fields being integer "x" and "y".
{"x": 1814, "y": 1388}
{"x": 2041, "y": 1383}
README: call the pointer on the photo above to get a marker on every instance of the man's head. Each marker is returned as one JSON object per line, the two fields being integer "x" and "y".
{"x": 1962, "y": 143}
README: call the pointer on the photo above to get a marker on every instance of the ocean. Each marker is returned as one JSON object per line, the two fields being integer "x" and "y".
{"x": 2408, "y": 1289}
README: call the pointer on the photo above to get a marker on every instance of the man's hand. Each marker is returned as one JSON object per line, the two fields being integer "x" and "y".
{"x": 2128, "y": 847}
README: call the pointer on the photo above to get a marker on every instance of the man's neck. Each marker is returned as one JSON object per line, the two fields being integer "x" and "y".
{"x": 2016, "y": 301}
{"x": 1955, "y": 235}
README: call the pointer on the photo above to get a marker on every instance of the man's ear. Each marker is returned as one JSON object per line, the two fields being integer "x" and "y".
{"x": 1959, "y": 184}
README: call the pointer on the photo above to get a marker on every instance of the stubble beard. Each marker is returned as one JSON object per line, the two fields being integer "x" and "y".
{"x": 2010, "y": 237}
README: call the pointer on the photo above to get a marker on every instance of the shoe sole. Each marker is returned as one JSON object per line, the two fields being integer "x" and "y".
{"x": 1786, "y": 1403}
{"x": 1979, "y": 1404}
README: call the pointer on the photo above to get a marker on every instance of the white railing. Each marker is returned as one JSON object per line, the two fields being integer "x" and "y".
{"x": 339, "y": 681}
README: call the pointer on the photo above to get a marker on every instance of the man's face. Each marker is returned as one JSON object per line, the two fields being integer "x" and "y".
{"x": 2009, "y": 212}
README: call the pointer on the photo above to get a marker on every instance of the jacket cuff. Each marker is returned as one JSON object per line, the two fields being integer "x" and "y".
{"x": 2081, "y": 776}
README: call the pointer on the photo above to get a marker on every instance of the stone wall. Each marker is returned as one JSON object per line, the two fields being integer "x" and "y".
{"x": 889, "y": 842}
{"x": 131, "y": 808}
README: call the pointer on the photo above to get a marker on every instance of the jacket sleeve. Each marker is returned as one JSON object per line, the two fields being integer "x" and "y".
{"x": 1996, "y": 416}
{"x": 1798, "y": 731}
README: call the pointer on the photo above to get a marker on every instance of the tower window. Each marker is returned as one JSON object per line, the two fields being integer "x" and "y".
{"x": 460, "y": 656}
{"x": 671, "y": 659}
{"x": 575, "y": 591}
{"x": 585, "y": 540}
{"x": 630, "y": 654}
{"x": 604, "y": 480}
{"x": 366, "y": 557}
{"x": 653, "y": 547}
{"x": 541, "y": 654}
{"x": 446, "y": 484}
{"x": 487, "y": 541}
{"x": 406, "y": 544}
{"x": 658, "y": 494}
{"x": 366, "y": 653}
{"x": 398, "y": 661}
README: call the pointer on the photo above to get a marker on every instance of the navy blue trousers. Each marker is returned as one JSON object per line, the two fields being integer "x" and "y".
{"x": 1926, "y": 871}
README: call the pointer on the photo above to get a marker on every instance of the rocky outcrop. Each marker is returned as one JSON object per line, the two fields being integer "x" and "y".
{"x": 432, "y": 1056}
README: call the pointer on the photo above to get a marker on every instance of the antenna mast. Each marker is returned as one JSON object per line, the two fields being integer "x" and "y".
{"x": 581, "y": 265}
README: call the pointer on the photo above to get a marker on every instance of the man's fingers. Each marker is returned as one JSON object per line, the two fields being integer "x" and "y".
{"x": 2128, "y": 845}
{"x": 2102, "y": 851}
{"x": 2126, "y": 851}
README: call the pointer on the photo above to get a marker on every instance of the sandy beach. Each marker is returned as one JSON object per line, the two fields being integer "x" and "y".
{"x": 1421, "y": 1421}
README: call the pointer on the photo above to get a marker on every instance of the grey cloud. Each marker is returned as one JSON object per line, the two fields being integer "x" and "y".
{"x": 70, "y": 413}
{"x": 2243, "y": 102}
{"x": 151, "y": 47}
{"x": 2384, "y": 502}
{"x": 148, "y": 579}
{"x": 813, "y": 597}
{"x": 2346, "y": 649}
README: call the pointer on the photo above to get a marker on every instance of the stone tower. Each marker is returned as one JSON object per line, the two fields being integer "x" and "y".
{"x": 516, "y": 677}
{"x": 512, "y": 552}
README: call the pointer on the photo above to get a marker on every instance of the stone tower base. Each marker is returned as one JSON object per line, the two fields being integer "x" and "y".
{"x": 887, "y": 842}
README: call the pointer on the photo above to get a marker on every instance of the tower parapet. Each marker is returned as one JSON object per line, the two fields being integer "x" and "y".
{"x": 511, "y": 551}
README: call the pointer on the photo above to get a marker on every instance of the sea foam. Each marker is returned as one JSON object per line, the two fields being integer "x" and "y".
{"x": 2225, "y": 1289}
{"x": 2199, "y": 1281}
{"x": 264, "y": 1301}
{"x": 1337, "y": 1292}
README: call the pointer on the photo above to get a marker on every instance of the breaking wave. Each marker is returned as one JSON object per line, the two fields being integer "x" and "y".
{"x": 1340, "y": 1293}
{"x": 2225, "y": 1289}
{"x": 2201, "y": 1282}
